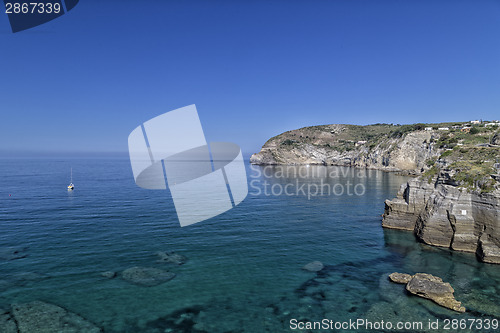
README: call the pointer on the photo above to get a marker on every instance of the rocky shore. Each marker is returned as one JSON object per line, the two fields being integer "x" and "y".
{"x": 443, "y": 214}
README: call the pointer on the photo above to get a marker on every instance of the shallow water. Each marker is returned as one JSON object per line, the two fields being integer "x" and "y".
{"x": 243, "y": 272}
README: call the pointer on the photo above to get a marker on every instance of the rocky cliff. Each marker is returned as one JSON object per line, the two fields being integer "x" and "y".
{"x": 443, "y": 213}
{"x": 409, "y": 148}
{"x": 455, "y": 203}
{"x": 384, "y": 147}
{"x": 496, "y": 139}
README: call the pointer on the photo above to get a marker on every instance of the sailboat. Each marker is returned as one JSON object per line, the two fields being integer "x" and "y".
{"x": 71, "y": 187}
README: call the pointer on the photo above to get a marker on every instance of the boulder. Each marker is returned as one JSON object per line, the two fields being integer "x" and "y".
{"x": 314, "y": 266}
{"x": 400, "y": 278}
{"x": 433, "y": 288}
{"x": 171, "y": 257}
{"x": 43, "y": 317}
{"x": 146, "y": 276}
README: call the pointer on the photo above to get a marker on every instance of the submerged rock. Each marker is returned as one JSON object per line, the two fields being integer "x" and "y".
{"x": 12, "y": 253}
{"x": 183, "y": 320}
{"x": 5, "y": 284}
{"x": 314, "y": 266}
{"x": 430, "y": 287}
{"x": 20, "y": 279}
{"x": 171, "y": 257}
{"x": 400, "y": 278}
{"x": 28, "y": 276}
{"x": 109, "y": 274}
{"x": 43, "y": 317}
{"x": 146, "y": 276}
{"x": 479, "y": 301}
{"x": 7, "y": 323}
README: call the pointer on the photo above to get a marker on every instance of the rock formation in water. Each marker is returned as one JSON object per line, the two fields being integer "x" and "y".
{"x": 43, "y": 317}
{"x": 109, "y": 274}
{"x": 400, "y": 278}
{"x": 147, "y": 276}
{"x": 171, "y": 257}
{"x": 314, "y": 266}
{"x": 430, "y": 287}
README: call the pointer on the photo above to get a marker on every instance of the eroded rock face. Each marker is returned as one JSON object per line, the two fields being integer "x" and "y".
{"x": 147, "y": 276}
{"x": 488, "y": 249}
{"x": 314, "y": 146}
{"x": 400, "y": 278}
{"x": 43, "y": 317}
{"x": 444, "y": 215}
{"x": 496, "y": 139}
{"x": 433, "y": 288}
{"x": 402, "y": 212}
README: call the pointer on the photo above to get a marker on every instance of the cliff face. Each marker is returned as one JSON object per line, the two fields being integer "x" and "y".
{"x": 376, "y": 147}
{"x": 444, "y": 214}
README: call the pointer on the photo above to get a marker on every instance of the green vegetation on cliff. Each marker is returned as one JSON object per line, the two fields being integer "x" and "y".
{"x": 347, "y": 138}
{"x": 474, "y": 166}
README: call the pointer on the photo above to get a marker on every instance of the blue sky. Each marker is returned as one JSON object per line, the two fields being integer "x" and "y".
{"x": 83, "y": 82}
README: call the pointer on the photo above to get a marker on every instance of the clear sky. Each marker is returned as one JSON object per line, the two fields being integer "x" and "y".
{"x": 253, "y": 68}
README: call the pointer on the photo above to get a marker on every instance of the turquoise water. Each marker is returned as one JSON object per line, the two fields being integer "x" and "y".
{"x": 243, "y": 272}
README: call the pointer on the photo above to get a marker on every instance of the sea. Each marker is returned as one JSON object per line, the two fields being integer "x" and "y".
{"x": 245, "y": 268}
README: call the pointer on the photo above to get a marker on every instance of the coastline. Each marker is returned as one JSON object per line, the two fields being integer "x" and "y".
{"x": 452, "y": 202}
